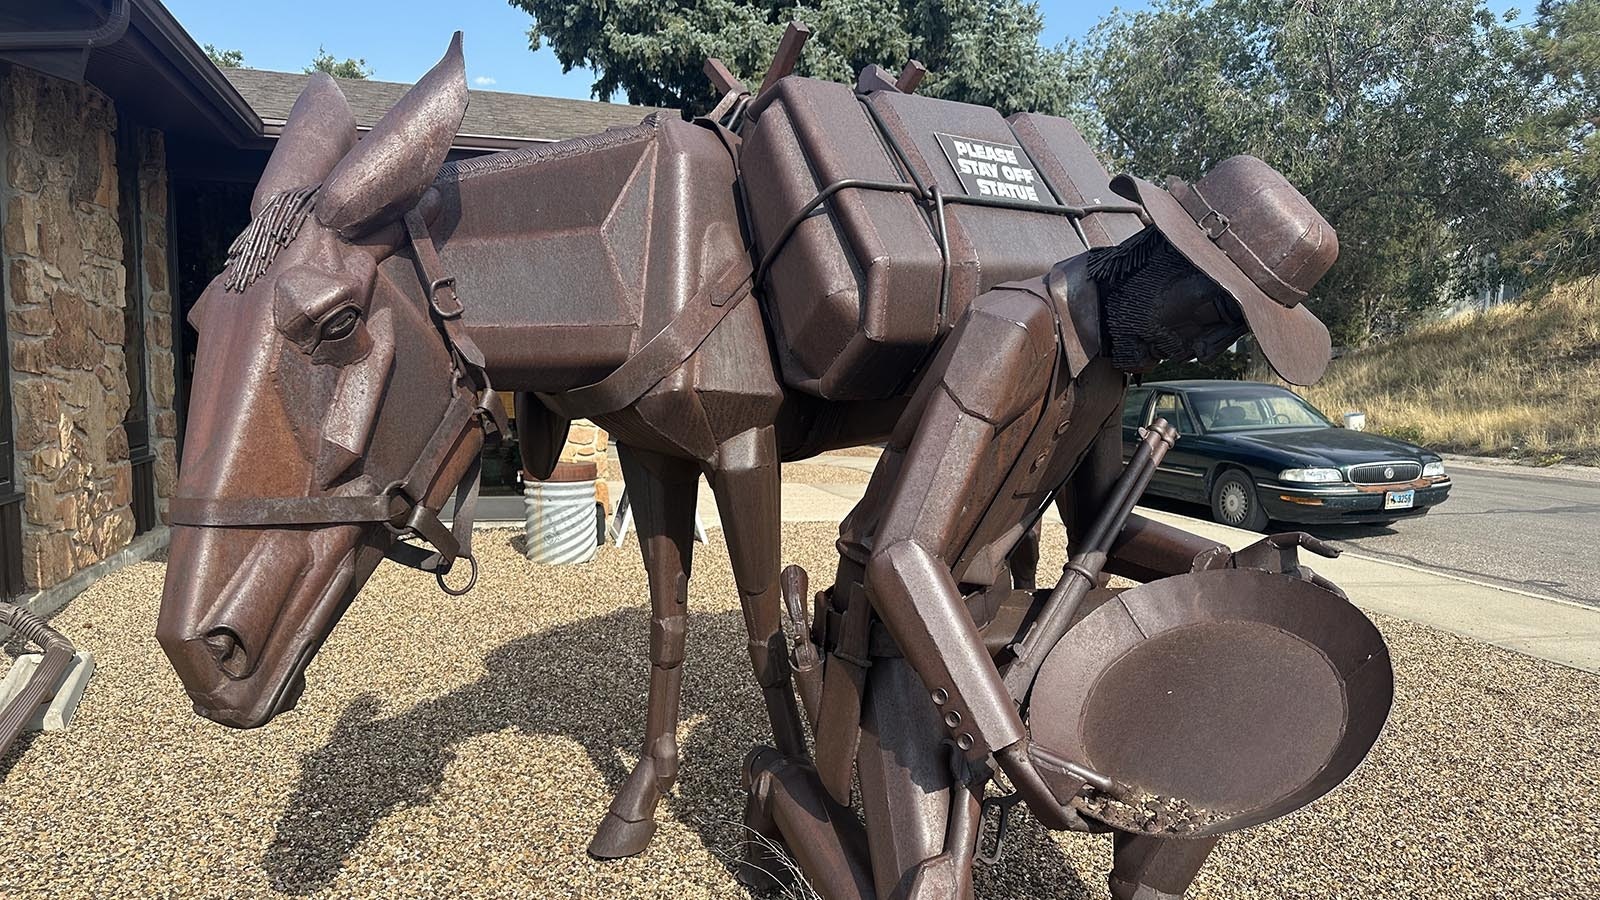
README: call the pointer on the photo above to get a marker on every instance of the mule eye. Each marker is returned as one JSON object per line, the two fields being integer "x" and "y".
{"x": 341, "y": 324}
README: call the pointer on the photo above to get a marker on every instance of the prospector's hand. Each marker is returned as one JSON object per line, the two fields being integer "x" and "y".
{"x": 1030, "y": 784}
{"x": 1279, "y": 554}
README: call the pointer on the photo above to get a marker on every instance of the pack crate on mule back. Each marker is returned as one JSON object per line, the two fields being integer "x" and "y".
{"x": 860, "y": 290}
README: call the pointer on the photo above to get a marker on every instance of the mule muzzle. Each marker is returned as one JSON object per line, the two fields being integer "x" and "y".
{"x": 244, "y": 612}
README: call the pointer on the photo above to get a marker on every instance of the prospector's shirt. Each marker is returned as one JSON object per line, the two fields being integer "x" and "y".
{"x": 1076, "y": 399}
{"x": 1084, "y": 395}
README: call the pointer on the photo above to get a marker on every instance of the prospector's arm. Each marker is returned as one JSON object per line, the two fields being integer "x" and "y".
{"x": 1146, "y": 550}
{"x": 998, "y": 371}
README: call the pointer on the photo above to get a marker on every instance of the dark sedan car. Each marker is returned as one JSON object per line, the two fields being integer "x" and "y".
{"x": 1256, "y": 452}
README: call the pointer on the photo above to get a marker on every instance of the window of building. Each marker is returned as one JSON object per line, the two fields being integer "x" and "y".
{"x": 137, "y": 421}
{"x": 11, "y": 584}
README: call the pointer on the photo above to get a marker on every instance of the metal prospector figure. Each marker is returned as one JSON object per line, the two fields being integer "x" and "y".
{"x": 352, "y": 353}
{"x": 1167, "y": 712}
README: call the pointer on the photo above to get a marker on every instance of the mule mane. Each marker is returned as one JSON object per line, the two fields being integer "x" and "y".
{"x": 463, "y": 169}
{"x": 271, "y": 230}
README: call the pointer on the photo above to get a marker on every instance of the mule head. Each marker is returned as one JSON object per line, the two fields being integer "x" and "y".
{"x": 326, "y": 403}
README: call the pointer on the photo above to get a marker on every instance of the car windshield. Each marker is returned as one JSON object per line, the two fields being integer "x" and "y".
{"x": 1253, "y": 408}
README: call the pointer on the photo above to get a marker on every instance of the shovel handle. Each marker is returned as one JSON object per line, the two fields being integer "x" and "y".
{"x": 1083, "y": 569}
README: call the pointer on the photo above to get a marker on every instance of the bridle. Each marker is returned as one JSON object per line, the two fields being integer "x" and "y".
{"x": 399, "y": 506}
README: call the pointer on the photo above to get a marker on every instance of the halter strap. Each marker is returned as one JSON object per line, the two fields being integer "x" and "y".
{"x": 400, "y": 506}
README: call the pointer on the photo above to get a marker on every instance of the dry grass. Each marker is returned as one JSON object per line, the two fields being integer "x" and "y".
{"x": 1520, "y": 381}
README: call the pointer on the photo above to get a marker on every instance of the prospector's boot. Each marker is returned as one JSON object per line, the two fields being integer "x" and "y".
{"x": 824, "y": 840}
{"x": 763, "y": 866}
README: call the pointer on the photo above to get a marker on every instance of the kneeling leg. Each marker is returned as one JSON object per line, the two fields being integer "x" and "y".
{"x": 1152, "y": 868}
{"x": 789, "y": 808}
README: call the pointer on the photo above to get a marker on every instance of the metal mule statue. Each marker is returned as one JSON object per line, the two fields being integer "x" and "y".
{"x": 759, "y": 285}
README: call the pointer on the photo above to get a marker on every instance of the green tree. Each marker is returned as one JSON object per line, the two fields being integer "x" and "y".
{"x": 979, "y": 51}
{"x": 338, "y": 68}
{"x": 225, "y": 59}
{"x": 1564, "y": 52}
{"x": 1395, "y": 117}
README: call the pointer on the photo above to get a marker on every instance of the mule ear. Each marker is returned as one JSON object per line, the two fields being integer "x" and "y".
{"x": 387, "y": 172}
{"x": 320, "y": 131}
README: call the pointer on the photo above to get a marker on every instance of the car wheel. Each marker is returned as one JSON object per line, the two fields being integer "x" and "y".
{"x": 1234, "y": 502}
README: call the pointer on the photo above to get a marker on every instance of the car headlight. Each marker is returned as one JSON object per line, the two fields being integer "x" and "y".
{"x": 1433, "y": 470}
{"x": 1311, "y": 476}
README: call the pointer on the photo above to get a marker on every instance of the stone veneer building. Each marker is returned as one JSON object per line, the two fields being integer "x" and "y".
{"x": 126, "y": 165}
{"x": 89, "y": 315}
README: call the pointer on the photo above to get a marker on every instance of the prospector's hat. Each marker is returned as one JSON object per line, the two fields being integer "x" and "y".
{"x": 1247, "y": 228}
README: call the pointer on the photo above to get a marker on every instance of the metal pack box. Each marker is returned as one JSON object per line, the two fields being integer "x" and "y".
{"x": 926, "y": 204}
{"x": 627, "y": 224}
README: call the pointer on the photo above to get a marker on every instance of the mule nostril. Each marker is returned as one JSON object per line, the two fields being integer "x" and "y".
{"x": 229, "y": 652}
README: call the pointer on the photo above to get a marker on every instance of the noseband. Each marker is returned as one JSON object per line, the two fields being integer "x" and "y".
{"x": 399, "y": 507}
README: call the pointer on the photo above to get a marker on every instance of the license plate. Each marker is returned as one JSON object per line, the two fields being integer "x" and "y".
{"x": 1399, "y": 499}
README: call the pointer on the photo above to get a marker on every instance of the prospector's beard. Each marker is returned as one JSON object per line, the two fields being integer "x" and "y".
{"x": 1141, "y": 327}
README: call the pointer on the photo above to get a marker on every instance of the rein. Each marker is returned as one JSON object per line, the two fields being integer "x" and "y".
{"x": 399, "y": 507}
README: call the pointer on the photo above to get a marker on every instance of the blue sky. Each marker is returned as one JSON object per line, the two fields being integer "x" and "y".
{"x": 401, "y": 38}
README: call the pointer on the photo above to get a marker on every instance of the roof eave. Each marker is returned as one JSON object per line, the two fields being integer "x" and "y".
{"x": 272, "y": 128}
{"x": 169, "y": 38}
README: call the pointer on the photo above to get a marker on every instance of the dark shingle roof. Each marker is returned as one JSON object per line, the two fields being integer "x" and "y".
{"x": 494, "y": 120}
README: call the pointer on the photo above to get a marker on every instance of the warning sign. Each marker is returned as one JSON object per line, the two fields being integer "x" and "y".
{"x": 1000, "y": 171}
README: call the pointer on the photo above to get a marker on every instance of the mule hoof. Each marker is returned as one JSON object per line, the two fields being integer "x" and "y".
{"x": 617, "y": 837}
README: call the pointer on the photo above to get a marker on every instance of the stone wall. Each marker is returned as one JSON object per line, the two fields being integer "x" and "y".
{"x": 588, "y": 442}
{"x": 65, "y": 278}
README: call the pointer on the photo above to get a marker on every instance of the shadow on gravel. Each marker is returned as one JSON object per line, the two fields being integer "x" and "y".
{"x": 584, "y": 681}
{"x": 8, "y": 760}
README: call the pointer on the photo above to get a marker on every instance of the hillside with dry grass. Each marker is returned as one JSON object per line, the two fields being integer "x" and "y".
{"x": 1518, "y": 381}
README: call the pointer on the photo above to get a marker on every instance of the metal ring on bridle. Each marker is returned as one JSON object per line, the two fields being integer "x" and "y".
{"x": 395, "y": 490}
{"x": 472, "y": 580}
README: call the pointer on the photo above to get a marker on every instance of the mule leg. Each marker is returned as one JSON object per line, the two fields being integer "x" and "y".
{"x": 662, "y": 490}
{"x": 1151, "y": 868}
{"x": 745, "y": 479}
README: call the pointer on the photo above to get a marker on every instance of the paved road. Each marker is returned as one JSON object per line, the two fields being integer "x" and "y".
{"x": 1529, "y": 529}
{"x": 1536, "y": 530}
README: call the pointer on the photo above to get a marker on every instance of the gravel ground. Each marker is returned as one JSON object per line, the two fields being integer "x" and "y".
{"x": 822, "y": 473}
{"x": 872, "y": 451}
{"x": 468, "y": 746}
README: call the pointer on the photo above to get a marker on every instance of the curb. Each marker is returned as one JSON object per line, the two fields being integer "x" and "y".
{"x": 1588, "y": 607}
{"x": 1555, "y": 472}
{"x": 49, "y": 601}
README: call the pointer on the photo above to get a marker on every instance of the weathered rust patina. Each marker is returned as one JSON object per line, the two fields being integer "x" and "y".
{"x": 809, "y": 267}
